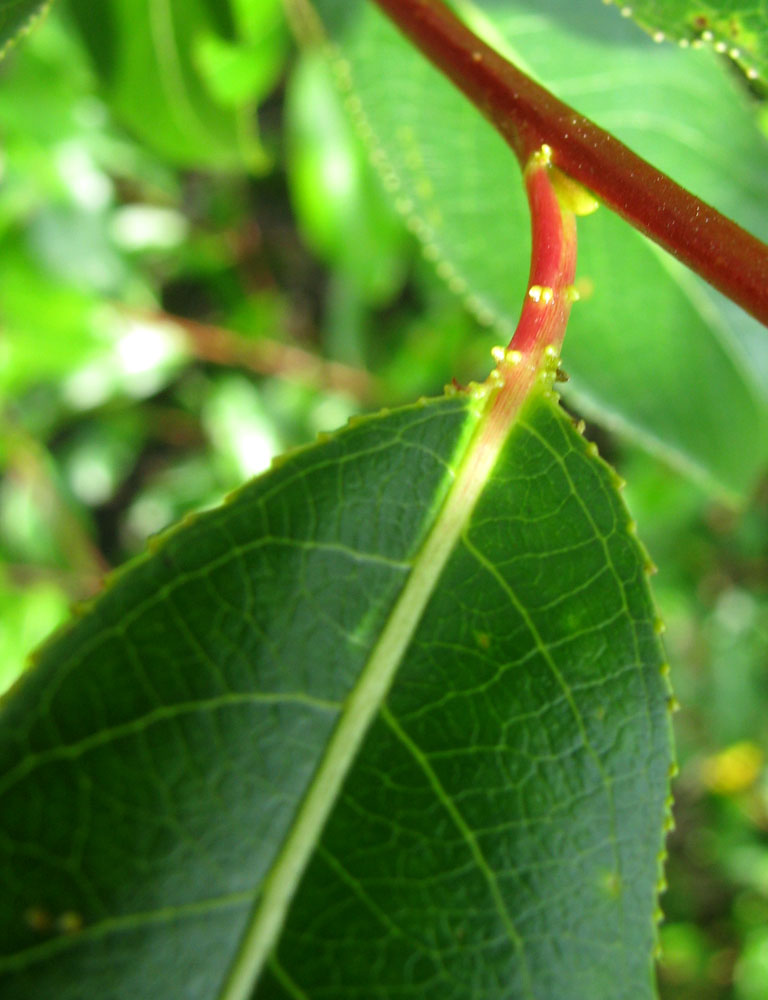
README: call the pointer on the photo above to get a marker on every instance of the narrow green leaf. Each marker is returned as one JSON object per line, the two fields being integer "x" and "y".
{"x": 392, "y": 719}
{"x": 457, "y": 183}
{"x": 17, "y": 17}
{"x": 739, "y": 30}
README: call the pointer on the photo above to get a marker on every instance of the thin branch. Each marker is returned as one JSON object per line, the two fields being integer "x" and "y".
{"x": 76, "y": 585}
{"x": 527, "y": 116}
{"x": 222, "y": 346}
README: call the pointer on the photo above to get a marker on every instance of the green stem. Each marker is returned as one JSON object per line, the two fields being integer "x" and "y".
{"x": 527, "y": 116}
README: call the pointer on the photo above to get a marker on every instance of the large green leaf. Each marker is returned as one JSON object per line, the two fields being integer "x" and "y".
{"x": 18, "y": 16}
{"x": 185, "y": 74}
{"x": 648, "y": 349}
{"x": 737, "y": 28}
{"x": 419, "y": 746}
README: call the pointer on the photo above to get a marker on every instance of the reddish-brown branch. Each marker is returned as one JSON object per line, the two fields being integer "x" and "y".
{"x": 527, "y": 115}
{"x": 267, "y": 357}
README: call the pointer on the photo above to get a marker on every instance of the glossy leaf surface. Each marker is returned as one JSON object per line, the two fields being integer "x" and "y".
{"x": 495, "y": 720}
{"x": 648, "y": 349}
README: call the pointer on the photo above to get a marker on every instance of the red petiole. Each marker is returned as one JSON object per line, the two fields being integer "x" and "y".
{"x": 528, "y": 116}
{"x": 534, "y": 350}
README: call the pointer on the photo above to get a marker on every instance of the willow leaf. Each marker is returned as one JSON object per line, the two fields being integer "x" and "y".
{"x": 392, "y": 720}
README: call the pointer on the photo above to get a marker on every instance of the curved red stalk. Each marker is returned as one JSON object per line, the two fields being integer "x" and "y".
{"x": 534, "y": 349}
{"x": 553, "y": 262}
{"x": 527, "y": 116}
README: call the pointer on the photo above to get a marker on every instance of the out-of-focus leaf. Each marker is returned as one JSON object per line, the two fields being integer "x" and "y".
{"x": 55, "y": 331}
{"x": 737, "y": 28}
{"x": 245, "y": 69}
{"x": 751, "y": 974}
{"x": 240, "y": 428}
{"x": 437, "y": 731}
{"x": 156, "y": 61}
{"x": 27, "y": 615}
{"x": 338, "y": 198}
{"x": 73, "y": 245}
{"x": 649, "y": 351}
{"x": 49, "y": 329}
{"x": 99, "y": 455}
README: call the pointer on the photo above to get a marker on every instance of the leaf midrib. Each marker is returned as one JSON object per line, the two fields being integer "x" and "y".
{"x": 475, "y": 457}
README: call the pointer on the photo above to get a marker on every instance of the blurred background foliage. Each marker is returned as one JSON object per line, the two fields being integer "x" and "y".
{"x": 200, "y": 270}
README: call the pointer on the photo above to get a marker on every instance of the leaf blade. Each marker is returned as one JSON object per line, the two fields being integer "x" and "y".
{"x": 423, "y": 833}
{"x": 159, "y": 829}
